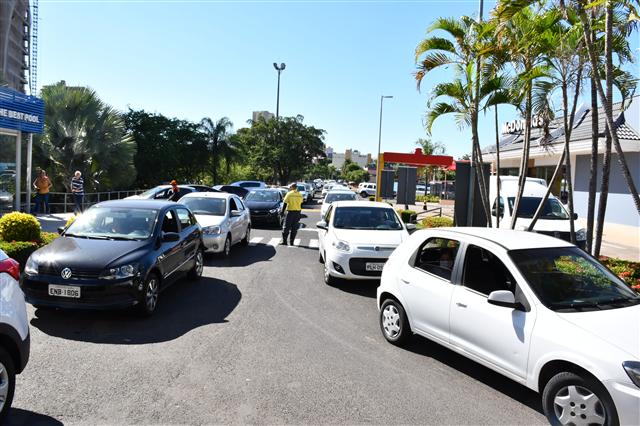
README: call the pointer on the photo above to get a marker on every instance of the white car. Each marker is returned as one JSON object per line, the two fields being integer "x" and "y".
{"x": 356, "y": 238}
{"x": 14, "y": 331}
{"x": 367, "y": 189}
{"x": 534, "y": 308}
{"x": 336, "y": 195}
{"x": 224, "y": 219}
{"x": 326, "y": 188}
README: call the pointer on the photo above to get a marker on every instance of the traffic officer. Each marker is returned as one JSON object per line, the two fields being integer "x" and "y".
{"x": 293, "y": 204}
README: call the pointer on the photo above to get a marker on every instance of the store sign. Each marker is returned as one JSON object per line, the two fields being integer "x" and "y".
{"x": 21, "y": 112}
{"x": 517, "y": 126}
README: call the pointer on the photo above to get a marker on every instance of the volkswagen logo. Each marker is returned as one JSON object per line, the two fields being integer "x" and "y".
{"x": 66, "y": 273}
{"x": 376, "y": 248}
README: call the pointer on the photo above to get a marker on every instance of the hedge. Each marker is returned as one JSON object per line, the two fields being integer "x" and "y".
{"x": 437, "y": 222}
{"x": 406, "y": 215}
{"x": 428, "y": 198}
{"x": 19, "y": 250}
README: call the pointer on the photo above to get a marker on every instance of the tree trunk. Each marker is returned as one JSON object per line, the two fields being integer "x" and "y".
{"x": 593, "y": 167}
{"x": 484, "y": 193}
{"x": 525, "y": 159}
{"x": 498, "y": 183}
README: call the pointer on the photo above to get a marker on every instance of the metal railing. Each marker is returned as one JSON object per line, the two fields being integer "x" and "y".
{"x": 63, "y": 202}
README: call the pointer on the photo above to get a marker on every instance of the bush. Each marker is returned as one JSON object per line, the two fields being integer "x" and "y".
{"x": 19, "y": 250}
{"x": 428, "y": 198}
{"x": 47, "y": 237}
{"x": 372, "y": 198}
{"x": 437, "y": 222}
{"x": 406, "y": 215}
{"x": 18, "y": 226}
{"x": 70, "y": 221}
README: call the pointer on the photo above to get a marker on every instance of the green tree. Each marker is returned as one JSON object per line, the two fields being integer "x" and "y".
{"x": 430, "y": 147}
{"x": 221, "y": 144}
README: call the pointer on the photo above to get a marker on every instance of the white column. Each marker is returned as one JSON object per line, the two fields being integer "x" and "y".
{"x": 28, "y": 177}
{"x": 18, "y": 169}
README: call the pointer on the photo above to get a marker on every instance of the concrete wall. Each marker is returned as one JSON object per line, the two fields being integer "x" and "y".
{"x": 620, "y": 207}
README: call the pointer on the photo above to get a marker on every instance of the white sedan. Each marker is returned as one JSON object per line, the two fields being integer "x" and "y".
{"x": 531, "y": 307}
{"x": 336, "y": 195}
{"x": 356, "y": 238}
{"x": 224, "y": 219}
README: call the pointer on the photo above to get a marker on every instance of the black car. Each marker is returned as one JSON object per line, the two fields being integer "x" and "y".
{"x": 265, "y": 205}
{"x": 232, "y": 189}
{"x": 117, "y": 254}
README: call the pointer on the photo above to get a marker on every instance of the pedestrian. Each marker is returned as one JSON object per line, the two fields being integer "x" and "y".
{"x": 42, "y": 185}
{"x": 175, "y": 191}
{"x": 77, "y": 188}
{"x": 293, "y": 205}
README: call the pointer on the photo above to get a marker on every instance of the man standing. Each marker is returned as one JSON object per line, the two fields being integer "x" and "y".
{"x": 42, "y": 186}
{"x": 77, "y": 187}
{"x": 293, "y": 204}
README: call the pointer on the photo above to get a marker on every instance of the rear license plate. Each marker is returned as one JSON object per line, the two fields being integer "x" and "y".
{"x": 64, "y": 291}
{"x": 377, "y": 267}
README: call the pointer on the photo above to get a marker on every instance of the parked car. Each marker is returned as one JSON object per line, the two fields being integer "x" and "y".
{"x": 223, "y": 217}
{"x": 357, "y": 237}
{"x": 14, "y": 331}
{"x": 333, "y": 196}
{"x": 533, "y": 308}
{"x": 366, "y": 189}
{"x": 250, "y": 184}
{"x": 201, "y": 188}
{"x": 283, "y": 190}
{"x": 161, "y": 192}
{"x": 231, "y": 189}
{"x": 266, "y": 206}
{"x": 311, "y": 191}
{"x": 117, "y": 254}
{"x": 554, "y": 219}
{"x": 326, "y": 188}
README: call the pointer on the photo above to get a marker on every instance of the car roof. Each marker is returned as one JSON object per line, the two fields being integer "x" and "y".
{"x": 349, "y": 203}
{"x": 224, "y": 195}
{"x": 138, "y": 203}
{"x": 340, "y": 191}
{"x": 507, "y": 238}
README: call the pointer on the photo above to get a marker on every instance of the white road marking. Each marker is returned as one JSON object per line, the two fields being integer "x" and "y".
{"x": 274, "y": 242}
{"x": 255, "y": 240}
{"x": 308, "y": 229}
{"x": 313, "y": 244}
{"x": 296, "y": 242}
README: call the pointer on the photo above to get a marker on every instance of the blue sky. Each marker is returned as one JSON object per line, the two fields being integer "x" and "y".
{"x": 191, "y": 59}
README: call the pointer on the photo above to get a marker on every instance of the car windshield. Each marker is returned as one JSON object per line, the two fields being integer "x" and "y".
{"x": 271, "y": 196}
{"x": 567, "y": 279}
{"x": 150, "y": 192}
{"x": 206, "y": 206}
{"x": 250, "y": 184}
{"x": 330, "y": 198}
{"x": 553, "y": 209}
{"x": 379, "y": 218}
{"x": 302, "y": 188}
{"x": 114, "y": 223}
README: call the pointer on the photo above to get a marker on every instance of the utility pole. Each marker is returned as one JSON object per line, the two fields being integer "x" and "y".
{"x": 379, "y": 169}
{"x": 279, "y": 69}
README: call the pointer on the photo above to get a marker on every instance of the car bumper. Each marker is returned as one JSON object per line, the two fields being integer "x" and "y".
{"x": 214, "y": 243}
{"x": 94, "y": 294}
{"x": 265, "y": 217}
{"x": 626, "y": 397}
{"x": 352, "y": 266}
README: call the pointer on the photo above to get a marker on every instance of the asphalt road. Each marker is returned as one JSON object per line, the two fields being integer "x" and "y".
{"x": 259, "y": 339}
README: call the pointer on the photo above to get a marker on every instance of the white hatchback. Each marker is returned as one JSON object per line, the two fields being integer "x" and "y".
{"x": 356, "y": 238}
{"x": 336, "y": 195}
{"x": 533, "y": 308}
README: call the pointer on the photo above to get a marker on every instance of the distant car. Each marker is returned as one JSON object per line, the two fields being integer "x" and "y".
{"x": 266, "y": 206}
{"x": 250, "y": 184}
{"x": 357, "y": 237}
{"x": 536, "y": 309}
{"x": 367, "y": 189}
{"x": 201, "y": 188}
{"x": 14, "y": 331}
{"x": 326, "y": 188}
{"x": 162, "y": 192}
{"x": 117, "y": 254}
{"x": 223, "y": 217}
{"x": 336, "y": 195}
{"x": 311, "y": 191}
{"x": 302, "y": 189}
{"x": 283, "y": 190}
{"x": 6, "y": 200}
{"x": 232, "y": 189}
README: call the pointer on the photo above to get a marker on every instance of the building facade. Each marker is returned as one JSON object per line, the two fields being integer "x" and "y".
{"x": 257, "y": 115}
{"x": 15, "y": 33}
{"x": 338, "y": 159}
{"x": 545, "y": 153}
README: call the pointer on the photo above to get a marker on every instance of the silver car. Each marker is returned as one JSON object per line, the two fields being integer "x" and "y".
{"x": 224, "y": 219}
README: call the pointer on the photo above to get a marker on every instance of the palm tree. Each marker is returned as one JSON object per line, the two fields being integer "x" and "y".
{"x": 218, "y": 135}
{"x": 430, "y": 147}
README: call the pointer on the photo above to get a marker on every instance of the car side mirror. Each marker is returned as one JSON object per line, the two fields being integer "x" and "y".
{"x": 60, "y": 230}
{"x": 411, "y": 226}
{"x": 504, "y": 298}
{"x": 170, "y": 237}
{"x": 322, "y": 225}
{"x": 575, "y": 216}
{"x": 235, "y": 213}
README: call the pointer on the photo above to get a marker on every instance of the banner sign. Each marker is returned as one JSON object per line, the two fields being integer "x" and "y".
{"x": 21, "y": 112}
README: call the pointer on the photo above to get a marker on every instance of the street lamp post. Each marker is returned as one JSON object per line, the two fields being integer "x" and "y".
{"x": 279, "y": 69}
{"x": 378, "y": 168}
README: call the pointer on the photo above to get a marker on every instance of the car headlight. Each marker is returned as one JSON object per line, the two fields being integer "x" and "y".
{"x": 273, "y": 211}
{"x": 633, "y": 370}
{"x": 581, "y": 234}
{"x": 342, "y": 245}
{"x": 31, "y": 268}
{"x": 211, "y": 230}
{"x": 119, "y": 272}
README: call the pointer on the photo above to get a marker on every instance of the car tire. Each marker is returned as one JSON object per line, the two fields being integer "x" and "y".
{"x": 7, "y": 383}
{"x": 393, "y": 322}
{"x": 226, "y": 250}
{"x": 565, "y": 394}
{"x": 150, "y": 292}
{"x": 196, "y": 272}
{"x": 320, "y": 258}
{"x": 364, "y": 194}
{"x": 328, "y": 278}
{"x": 247, "y": 237}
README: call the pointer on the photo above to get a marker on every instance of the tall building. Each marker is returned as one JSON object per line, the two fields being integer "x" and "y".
{"x": 15, "y": 32}
{"x": 257, "y": 115}
{"x": 353, "y": 155}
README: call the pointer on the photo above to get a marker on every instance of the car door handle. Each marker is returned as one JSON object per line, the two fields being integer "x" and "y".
{"x": 405, "y": 281}
{"x": 462, "y": 305}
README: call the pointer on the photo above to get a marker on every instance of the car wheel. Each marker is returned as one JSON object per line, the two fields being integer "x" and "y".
{"x": 572, "y": 399}
{"x": 320, "y": 258}
{"x": 328, "y": 278}
{"x": 150, "y": 292}
{"x": 7, "y": 382}
{"x": 226, "y": 251}
{"x": 247, "y": 237}
{"x": 196, "y": 272}
{"x": 364, "y": 194}
{"x": 393, "y": 322}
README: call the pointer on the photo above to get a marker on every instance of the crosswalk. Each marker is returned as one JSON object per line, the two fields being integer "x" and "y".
{"x": 273, "y": 242}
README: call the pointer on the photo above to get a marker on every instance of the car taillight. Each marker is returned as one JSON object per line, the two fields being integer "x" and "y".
{"x": 11, "y": 267}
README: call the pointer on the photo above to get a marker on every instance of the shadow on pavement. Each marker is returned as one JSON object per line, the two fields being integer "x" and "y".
{"x": 18, "y": 417}
{"x": 242, "y": 256}
{"x": 183, "y": 307}
{"x": 363, "y": 288}
{"x": 480, "y": 373}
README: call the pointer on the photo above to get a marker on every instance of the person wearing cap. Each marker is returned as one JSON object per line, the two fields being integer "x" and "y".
{"x": 293, "y": 205}
{"x": 175, "y": 191}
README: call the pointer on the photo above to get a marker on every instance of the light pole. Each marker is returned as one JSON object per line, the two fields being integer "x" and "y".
{"x": 378, "y": 168}
{"x": 279, "y": 69}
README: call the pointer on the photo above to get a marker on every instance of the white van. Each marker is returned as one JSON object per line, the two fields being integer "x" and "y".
{"x": 553, "y": 221}
{"x": 366, "y": 189}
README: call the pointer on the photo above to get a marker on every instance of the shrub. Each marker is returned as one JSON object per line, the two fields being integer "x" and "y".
{"x": 47, "y": 237}
{"x": 428, "y": 198}
{"x": 18, "y": 226}
{"x": 372, "y": 198}
{"x": 19, "y": 250}
{"x": 406, "y": 215}
{"x": 70, "y": 221}
{"x": 437, "y": 222}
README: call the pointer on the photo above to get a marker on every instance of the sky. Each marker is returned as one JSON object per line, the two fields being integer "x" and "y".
{"x": 208, "y": 58}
